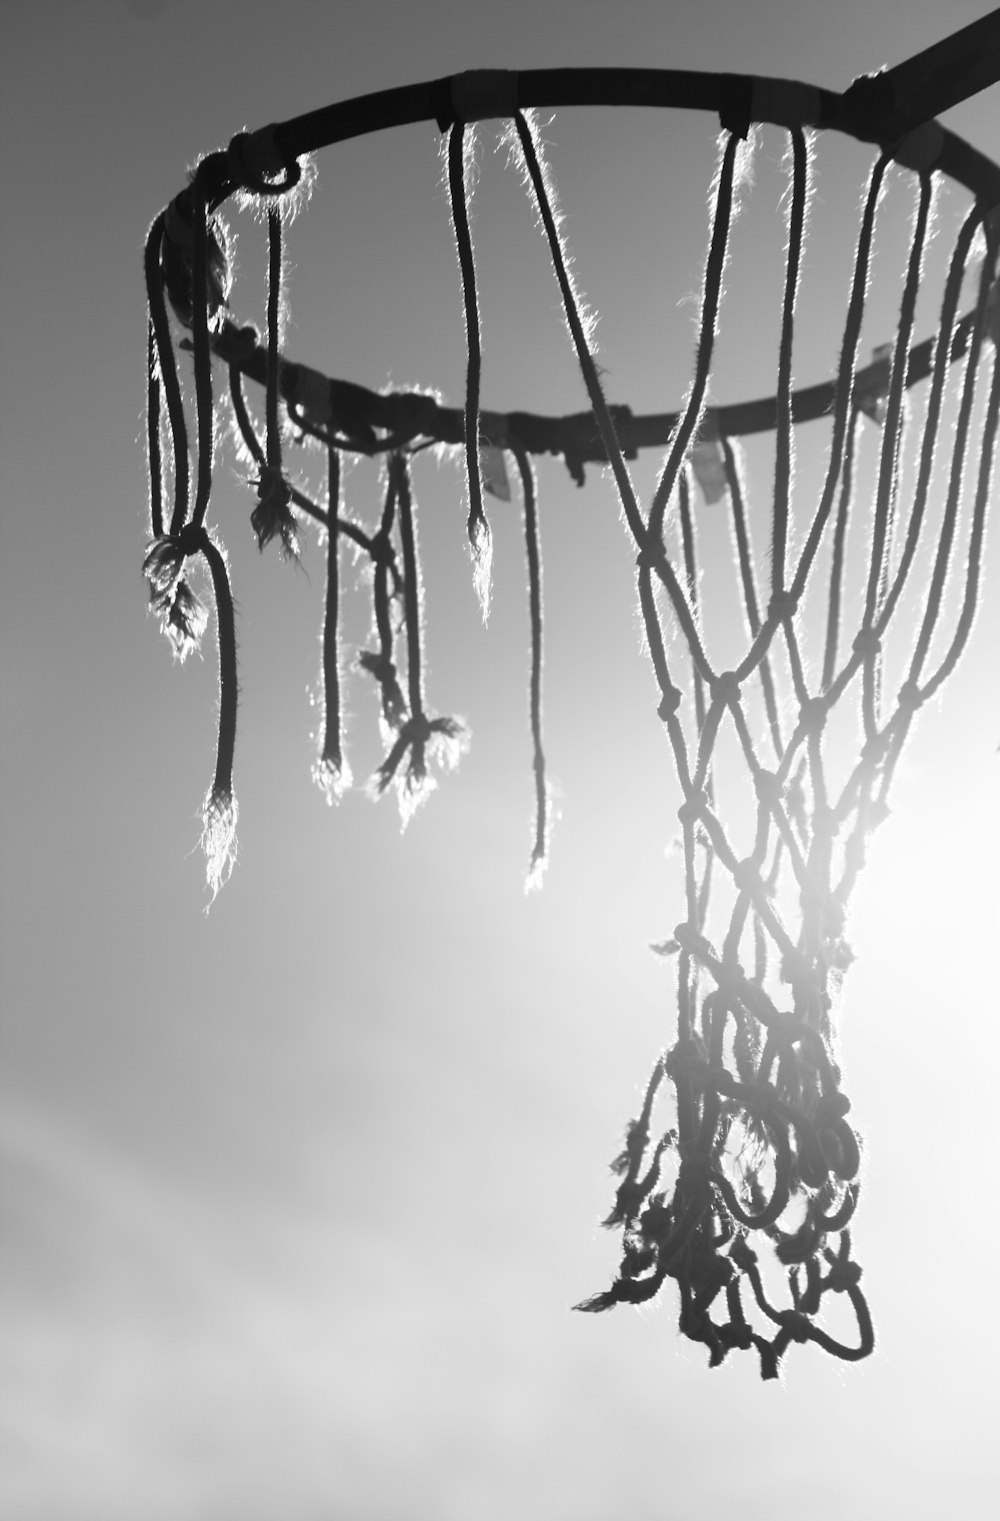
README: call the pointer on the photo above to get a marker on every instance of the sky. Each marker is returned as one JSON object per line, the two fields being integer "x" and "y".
{"x": 296, "y": 1195}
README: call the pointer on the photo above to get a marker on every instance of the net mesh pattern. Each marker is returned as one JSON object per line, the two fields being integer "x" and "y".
{"x": 760, "y": 1150}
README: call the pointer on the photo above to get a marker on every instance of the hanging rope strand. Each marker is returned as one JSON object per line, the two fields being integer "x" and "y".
{"x": 691, "y": 577}
{"x": 154, "y": 453}
{"x": 167, "y": 366}
{"x": 748, "y": 581}
{"x": 917, "y": 696}
{"x": 412, "y": 589}
{"x": 935, "y": 592}
{"x": 892, "y": 427}
{"x": 382, "y": 666}
{"x": 272, "y": 517}
{"x": 220, "y": 812}
{"x": 418, "y": 732}
{"x": 274, "y": 272}
{"x": 837, "y": 560}
{"x": 845, "y": 376}
{"x": 887, "y": 488}
{"x": 715, "y": 267}
{"x": 533, "y": 553}
{"x": 783, "y": 432}
{"x": 939, "y": 377}
{"x": 331, "y": 772}
{"x": 602, "y": 416}
{"x": 974, "y": 563}
{"x": 202, "y": 352}
{"x": 843, "y": 413}
{"x": 477, "y": 525}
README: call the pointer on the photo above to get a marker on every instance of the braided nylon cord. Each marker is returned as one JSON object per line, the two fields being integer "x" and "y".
{"x": 761, "y": 1150}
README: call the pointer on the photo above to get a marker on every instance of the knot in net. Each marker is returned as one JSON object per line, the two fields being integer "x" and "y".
{"x": 909, "y": 697}
{"x": 796, "y": 1325}
{"x": 694, "y": 807}
{"x": 783, "y": 604}
{"x": 192, "y": 540}
{"x": 669, "y": 703}
{"x": 843, "y": 1276}
{"x": 272, "y": 518}
{"x": 686, "y": 1059}
{"x": 867, "y": 644}
{"x": 726, "y": 687}
{"x": 813, "y": 713}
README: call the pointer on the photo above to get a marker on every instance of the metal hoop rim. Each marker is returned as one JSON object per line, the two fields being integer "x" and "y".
{"x": 739, "y": 100}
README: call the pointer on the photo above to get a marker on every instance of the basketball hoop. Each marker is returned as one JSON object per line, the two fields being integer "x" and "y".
{"x": 760, "y": 1151}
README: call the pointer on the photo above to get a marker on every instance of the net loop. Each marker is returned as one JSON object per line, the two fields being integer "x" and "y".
{"x": 842, "y": 1151}
{"x": 477, "y": 524}
{"x": 842, "y": 1214}
{"x": 257, "y": 164}
{"x": 830, "y": 1108}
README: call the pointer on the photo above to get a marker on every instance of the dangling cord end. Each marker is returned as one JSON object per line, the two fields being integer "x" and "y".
{"x": 272, "y": 517}
{"x": 153, "y": 437}
{"x": 418, "y": 734}
{"x": 478, "y": 526}
{"x": 218, "y": 837}
{"x": 161, "y": 358}
{"x": 481, "y": 542}
{"x": 331, "y": 772}
{"x": 540, "y": 846}
{"x": 200, "y": 318}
